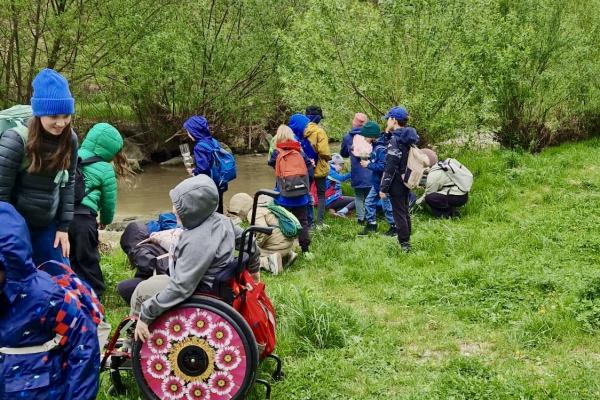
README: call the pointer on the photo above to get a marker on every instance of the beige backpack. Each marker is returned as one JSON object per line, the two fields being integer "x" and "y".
{"x": 417, "y": 163}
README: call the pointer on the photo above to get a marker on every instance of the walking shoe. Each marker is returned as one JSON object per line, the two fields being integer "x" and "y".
{"x": 340, "y": 214}
{"x": 275, "y": 263}
{"x": 292, "y": 255}
{"x": 369, "y": 228}
{"x": 405, "y": 247}
{"x": 362, "y": 222}
{"x": 391, "y": 232}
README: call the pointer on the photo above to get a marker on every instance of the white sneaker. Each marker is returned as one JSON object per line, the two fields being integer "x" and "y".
{"x": 292, "y": 255}
{"x": 275, "y": 263}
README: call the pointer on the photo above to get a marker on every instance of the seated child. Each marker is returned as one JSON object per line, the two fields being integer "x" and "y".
{"x": 205, "y": 247}
{"x": 335, "y": 200}
{"x": 274, "y": 247}
{"x": 48, "y": 343}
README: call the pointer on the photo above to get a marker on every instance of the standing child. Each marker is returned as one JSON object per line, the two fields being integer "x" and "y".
{"x": 292, "y": 169}
{"x": 48, "y": 343}
{"x": 317, "y": 137}
{"x": 198, "y": 130}
{"x": 376, "y": 164}
{"x": 102, "y": 144}
{"x": 396, "y": 158}
{"x": 37, "y": 167}
{"x": 361, "y": 177}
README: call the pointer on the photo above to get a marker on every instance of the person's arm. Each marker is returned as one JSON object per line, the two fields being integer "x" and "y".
{"x": 323, "y": 146}
{"x": 273, "y": 158}
{"x": 346, "y": 144}
{"x": 377, "y": 164}
{"x": 67, "y": 193}
{"x": 202, "y": 159}
{"x": 79, "y": 344}
{"x": 108, "y": 197}
{"x": 393, "y": 158}
{"x": 337, "y": 177}
{"x": 12, "y": 151}
{"x": 189, "y": 271}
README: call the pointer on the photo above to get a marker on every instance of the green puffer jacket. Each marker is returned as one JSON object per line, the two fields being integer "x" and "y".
{"x": 105, "y": 141}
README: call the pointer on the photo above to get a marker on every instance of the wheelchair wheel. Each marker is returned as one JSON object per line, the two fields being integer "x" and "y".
{"x": 200, "y": 350}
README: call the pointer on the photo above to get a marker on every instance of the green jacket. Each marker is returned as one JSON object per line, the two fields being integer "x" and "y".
{"x": 105, "y": 141}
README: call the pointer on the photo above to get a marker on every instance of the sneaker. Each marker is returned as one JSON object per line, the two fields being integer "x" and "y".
{"x": 362, "y": 222}
{"x": 369, "y": 228}
{"x": 405, "y": 247}
{"x": 341, "y": 215}
{"x": 391, "y": 232}
{"x": 275, "y": 263}
{"x": 292, "y": 255}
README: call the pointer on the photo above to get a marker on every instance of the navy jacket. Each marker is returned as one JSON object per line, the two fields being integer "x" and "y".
{"x": 33, "y": 309}
{"x": 377, "y": 160}
{"x": 397, "y": 156}
{"x": 203, "y": 158}
{"x": 361, "y": 177}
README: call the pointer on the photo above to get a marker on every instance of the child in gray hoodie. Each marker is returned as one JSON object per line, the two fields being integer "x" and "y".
{"x": 205, "y": 247}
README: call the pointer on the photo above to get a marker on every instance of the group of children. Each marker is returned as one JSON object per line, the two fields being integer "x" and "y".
{"x": 52, "y": 190}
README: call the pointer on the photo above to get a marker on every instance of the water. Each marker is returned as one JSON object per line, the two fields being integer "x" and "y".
{"x": 147, "y": 194}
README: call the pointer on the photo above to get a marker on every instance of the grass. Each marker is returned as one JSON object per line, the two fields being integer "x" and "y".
{"x": 503, "y": 303}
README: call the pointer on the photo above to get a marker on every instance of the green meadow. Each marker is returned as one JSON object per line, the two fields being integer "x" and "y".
{"x": 503, "y": 303}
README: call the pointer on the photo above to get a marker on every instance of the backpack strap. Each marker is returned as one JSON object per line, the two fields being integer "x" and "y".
{"x": 42, "y": 348}
{"x": 24, "y": 134}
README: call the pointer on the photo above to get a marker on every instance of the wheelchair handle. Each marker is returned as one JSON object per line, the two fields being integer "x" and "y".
{"x": 268, "y": 192}
{"x": 248, "y": 232}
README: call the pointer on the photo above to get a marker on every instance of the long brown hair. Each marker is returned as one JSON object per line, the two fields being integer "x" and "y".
{"x": 121, "y": 164}
{"x": 60, "y": 160}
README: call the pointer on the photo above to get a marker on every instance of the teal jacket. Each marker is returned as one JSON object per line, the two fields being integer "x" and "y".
{"x": 105, "y": 141}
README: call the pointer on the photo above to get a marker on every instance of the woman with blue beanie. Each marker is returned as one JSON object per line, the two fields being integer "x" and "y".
{"x": 37, "y": 167}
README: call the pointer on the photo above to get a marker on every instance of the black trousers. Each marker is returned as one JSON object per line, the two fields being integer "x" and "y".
{"x": 444, "y": 205}
{"x": 85, "y": 257}
{"x": 321, "y": 184}
{"x": 399, "y": 199}
{"x": 302, "y": 214}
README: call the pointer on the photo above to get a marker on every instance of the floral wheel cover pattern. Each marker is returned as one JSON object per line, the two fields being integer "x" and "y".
{"x": 205, "y": 329}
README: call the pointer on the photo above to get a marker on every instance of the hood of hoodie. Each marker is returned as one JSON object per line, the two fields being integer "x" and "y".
{"x": 195, "y": 199}
{"x": 406, "y": 135}
{"x": 103, "y": 140}
{"x": 298, "y": 123}
{"x": 15, "y": 249}
{"x": 197, "y": 126}
{"x": 289, "y": 145}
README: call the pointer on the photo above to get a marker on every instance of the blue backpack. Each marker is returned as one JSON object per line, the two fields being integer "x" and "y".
{"x": 223, "y": 169}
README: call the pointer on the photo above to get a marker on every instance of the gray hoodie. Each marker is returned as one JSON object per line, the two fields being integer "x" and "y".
{"x": 205, "y": 247}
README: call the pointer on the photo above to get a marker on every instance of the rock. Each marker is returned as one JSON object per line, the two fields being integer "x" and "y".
{"x": 173, "y": 162}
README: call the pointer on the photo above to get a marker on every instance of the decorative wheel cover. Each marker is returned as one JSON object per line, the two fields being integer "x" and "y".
{"x": 193, "y": 354}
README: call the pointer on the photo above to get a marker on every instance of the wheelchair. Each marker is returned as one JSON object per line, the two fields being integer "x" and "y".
{"x": 202, "y": 349}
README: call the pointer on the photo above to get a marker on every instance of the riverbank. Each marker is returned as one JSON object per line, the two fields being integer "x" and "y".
{"x": 502, "y": 303}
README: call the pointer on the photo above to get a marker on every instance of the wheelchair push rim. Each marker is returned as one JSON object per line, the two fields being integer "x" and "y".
{"x": 202, "y": 349}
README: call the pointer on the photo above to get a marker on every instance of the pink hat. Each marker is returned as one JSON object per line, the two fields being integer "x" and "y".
{"x": 359, "y": 120}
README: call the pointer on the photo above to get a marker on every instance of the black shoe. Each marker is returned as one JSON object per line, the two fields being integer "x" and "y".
{"x": 405, "y": 247}
{"x": 369, "y": 228}
{"x": 362, "y": 222}
{"x": 391, "y": 232}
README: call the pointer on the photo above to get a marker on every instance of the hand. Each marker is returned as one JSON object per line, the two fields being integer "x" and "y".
{"x": 141, "y": 331}
{"x": 382, "y": 195}
{"x": 365, "y": 163}
{"x": 189, "y": 171}
{"x": 62, "y": 238}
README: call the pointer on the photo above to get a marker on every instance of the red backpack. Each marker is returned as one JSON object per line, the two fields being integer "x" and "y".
{"x": 252, "y": 302}
{"x": 291, "y": 173}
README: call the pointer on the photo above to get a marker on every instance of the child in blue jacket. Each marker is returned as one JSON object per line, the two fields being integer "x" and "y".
{"x": 48, "y": 344}
{"x": 198, "y": 130}
{"x": 376, "y": 164}
{"x": 335, "y": 200}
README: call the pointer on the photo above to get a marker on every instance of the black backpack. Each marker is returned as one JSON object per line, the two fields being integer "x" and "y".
{"x": 80, "y": 191}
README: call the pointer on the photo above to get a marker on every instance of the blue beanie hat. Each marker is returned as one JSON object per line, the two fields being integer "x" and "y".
{"x": 51, "y": 95}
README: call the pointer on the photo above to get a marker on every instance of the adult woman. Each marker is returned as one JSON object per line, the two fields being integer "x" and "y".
{"x": 42, "y": 192}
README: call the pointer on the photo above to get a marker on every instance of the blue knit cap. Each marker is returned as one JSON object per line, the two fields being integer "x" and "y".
{"x": 51, "y": 95}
